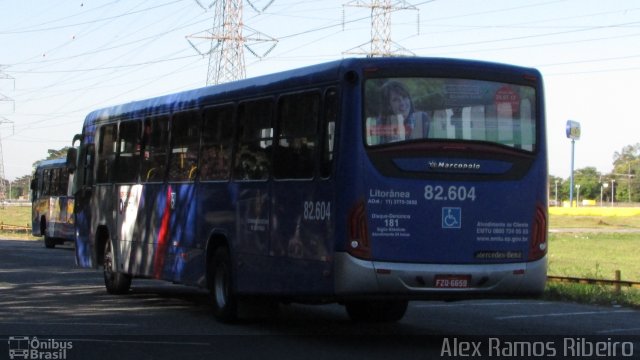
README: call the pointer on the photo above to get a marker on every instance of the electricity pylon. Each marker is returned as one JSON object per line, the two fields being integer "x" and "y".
{"x": 381, "y": 43}
{"x": 226, "y": 53}
{"x": 4, "y": 98}
{"x": 3, "y": 186}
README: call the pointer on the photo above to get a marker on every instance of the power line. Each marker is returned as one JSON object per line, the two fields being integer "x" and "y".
{"x": 113, "y": 67}
{"x": 523, "y": 37}
{"x": 66, "y": 26}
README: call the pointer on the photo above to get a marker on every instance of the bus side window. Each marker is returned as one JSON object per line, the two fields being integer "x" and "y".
{"x": 106, "y": 153}
{"x": 154, "y": 144}
{"x": 217, "y": 136}
{"x": 297, "y": 136}
{"x": 46, "y": 180}
{"x": 64, "y": 181}
{"x": 185, "y": 138}
{"x": 329, "y": 132}
{"x": 128, "y": 162}
{"x": 255, "y": 140}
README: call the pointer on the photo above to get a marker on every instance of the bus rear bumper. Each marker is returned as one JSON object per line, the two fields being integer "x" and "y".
{"x": 355, "y": 277}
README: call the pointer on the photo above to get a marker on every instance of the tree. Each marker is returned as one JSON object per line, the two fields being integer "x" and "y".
{"x": 626, "y": 165}
{"x": 588, "y": 179}
{"x": 54, "y": 154}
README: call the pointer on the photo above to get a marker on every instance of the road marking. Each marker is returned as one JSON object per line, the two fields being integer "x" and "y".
{"x": 613, "y": 331}
{"x": 581, "y": 313}
{"x": 65, "y": 323}
{"x": 159, "y": 342}
{"x": 467, "y": 304}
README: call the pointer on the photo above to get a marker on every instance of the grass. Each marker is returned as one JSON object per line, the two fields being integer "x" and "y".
{"x": 16, "y": 215}
{"x": 594, "y": 255}
{"x": 594, "y": 243}
{"x": 592, "y": 294}
{"x": 596, "y": 218}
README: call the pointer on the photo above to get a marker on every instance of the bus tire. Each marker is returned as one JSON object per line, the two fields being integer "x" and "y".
{"x": 49, "y": 242}
{"x": 376, "y": 310}
{"x": 115, "y": 282}
{"x": 220, "y": 284}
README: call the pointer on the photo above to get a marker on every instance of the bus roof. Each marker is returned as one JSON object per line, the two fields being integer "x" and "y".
{"x": 314, "y": 74}
{"x": 53, "y": 163}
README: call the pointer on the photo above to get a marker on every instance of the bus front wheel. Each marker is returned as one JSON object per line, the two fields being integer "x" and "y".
{"x": 377, "y": 310}
{"x": 115, "y": 282}
{"x": 222, "y": 297}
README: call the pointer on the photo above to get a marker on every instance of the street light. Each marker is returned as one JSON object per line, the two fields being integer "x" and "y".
{"x": 602, "y": 187}
{"x": 556, "y": 193}
{"x": 613, "y": 181}
{"x": 578, "y": 198}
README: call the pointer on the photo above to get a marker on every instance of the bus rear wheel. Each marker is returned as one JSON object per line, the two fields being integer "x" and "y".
{"x": 221, "y": 294}
{"x": 49, "y": 242}
{"x": 377, "y": 310}
{"x": 115, "y": 282}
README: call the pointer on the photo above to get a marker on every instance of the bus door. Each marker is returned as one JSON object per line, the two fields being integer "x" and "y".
{"x": 104, "y": 197}
{"x": 251, "y": 190}
{"x": 129, "y": 205}
{"x": 36, "y": 206}
{"x": 83, "y": 187}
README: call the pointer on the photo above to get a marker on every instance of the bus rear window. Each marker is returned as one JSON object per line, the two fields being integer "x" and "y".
{"x": 410, "y": 109}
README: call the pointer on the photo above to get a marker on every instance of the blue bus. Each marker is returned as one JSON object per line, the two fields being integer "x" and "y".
{"x": 52, "y": 203}
{"x": 367, "y": 182}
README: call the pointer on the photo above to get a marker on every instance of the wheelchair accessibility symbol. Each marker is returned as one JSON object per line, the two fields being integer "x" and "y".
{"x": 451, "y": 218}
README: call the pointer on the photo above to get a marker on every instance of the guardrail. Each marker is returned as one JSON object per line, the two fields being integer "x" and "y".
{"x": 11, "y": 203}
{"x": 16, "y": 228}
{"x": 617, "y": 283}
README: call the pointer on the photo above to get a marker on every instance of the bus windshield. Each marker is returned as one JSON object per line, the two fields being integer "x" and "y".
{"x": 407, "y": 109}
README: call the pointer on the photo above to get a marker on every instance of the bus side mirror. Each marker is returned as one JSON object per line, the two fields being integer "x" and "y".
{"x": 77, "y": 137}
{"x": 72, "y": 157}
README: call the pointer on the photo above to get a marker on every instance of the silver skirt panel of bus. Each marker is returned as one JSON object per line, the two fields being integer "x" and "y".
{"x": 355, "y": 277}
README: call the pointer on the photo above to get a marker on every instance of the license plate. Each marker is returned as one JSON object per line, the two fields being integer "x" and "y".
{"x": 452, "y": 281}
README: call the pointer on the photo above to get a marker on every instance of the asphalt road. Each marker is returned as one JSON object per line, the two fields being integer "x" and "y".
{"x": 63, "y": 312}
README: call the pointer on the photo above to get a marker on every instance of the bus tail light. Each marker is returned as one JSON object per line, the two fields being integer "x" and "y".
{"x": 538, "y": 244}
{"x": 358, "y": 240}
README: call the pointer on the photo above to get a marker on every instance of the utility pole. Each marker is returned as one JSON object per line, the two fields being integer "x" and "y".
{"x": 381, "y": 43}
{"x": 227, "y": 41}
{"x": 4, "y": 98}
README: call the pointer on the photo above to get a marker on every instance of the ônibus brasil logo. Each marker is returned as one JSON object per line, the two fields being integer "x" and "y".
{"x": 24, "y": 347}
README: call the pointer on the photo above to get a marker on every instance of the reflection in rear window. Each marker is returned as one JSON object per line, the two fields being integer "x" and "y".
{"x": 409, "y": 109}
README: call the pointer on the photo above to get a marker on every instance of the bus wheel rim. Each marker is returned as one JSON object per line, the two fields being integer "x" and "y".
{"x": 220, "y": 286}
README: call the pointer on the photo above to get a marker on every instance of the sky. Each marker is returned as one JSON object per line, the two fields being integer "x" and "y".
{"x": 59, "y": 60}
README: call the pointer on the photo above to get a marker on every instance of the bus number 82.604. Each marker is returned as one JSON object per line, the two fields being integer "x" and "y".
{"x": 452, "y": 193}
